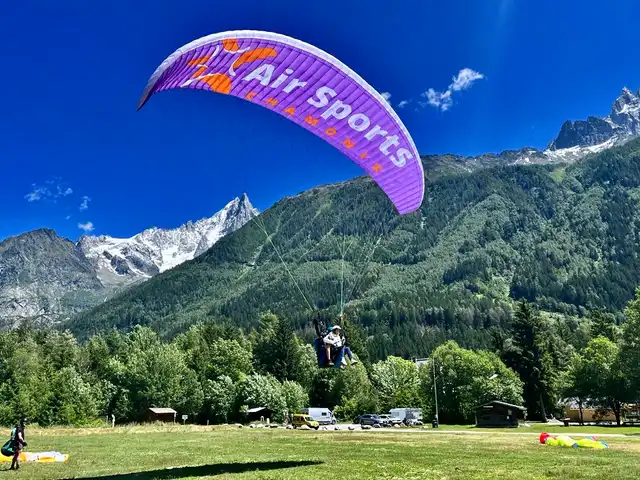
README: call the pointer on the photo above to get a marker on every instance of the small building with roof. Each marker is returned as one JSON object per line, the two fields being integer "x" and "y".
{"x": 259, "y": 414}
{"x": 499, "y": 414}
{"x": 156, "y": 414}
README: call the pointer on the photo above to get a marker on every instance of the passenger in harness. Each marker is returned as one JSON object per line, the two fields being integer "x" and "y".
{"x": 333, "y": 341}
{"x": 328, "y": 356}
{"x": 342, "y": 343}
{"x": 347, "y": 351}
{"x": 15, "y": 444}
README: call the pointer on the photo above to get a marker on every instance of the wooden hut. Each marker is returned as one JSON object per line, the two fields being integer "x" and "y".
{"x": 499, "y": 414}
{"x": 259, "y": 414}
{"x": 155, "y": 414}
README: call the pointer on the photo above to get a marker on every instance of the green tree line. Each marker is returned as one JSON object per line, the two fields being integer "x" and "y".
{"x": 215, "y": 371}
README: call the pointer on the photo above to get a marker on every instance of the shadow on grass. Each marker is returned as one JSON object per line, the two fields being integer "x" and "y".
{"x": 201, "y": 470}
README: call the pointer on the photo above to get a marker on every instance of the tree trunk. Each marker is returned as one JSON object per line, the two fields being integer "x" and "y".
{"x": 581, "y": 412}
{"x": 542, "y": 410}
{"x": 616, "y": 411}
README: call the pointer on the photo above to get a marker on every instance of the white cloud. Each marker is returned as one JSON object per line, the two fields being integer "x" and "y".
{"x": 67, "y": 217}
{"x": 86, "y": 227}
{"x": 443, "y": 100}
{"x": 465, "y": 79}
{"x": 403, "y": 103}
{"x": 38, "y": 193}
{"x": 54, "y": 192}
{"x": 386, "y": 96}
{"x": 85, "y": 203}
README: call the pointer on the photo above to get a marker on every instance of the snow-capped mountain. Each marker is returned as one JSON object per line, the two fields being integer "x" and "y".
{"x": 575, "y": 140}
{"x": 46, "y": 278}
{"x": 622, "y": 123}
{"x": 121, "y": 261}
{"x": 579, "y": 138}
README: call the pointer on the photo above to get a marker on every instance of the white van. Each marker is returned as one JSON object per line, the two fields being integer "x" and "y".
{"x": 406, "y": 415}
{"x": 323, "y": 416}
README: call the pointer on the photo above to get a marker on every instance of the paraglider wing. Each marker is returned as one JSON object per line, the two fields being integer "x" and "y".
{"x": 311, "y": 88}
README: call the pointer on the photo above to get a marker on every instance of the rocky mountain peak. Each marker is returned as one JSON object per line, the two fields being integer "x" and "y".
{"x": 622, "y": 124}
{"x": 121, "y": 261}
{"x": 583, "y": 133}
{"x": 626, "y": 101}
{"x": 40, "y": 234}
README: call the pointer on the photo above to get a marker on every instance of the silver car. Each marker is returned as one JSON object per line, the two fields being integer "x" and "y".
{"x": 387, "y": 421}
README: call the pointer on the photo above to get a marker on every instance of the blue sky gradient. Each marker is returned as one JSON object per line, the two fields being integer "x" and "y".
{"x": 74, "y": 70}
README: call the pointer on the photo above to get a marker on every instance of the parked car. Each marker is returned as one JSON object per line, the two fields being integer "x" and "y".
{"x": 300, "y": 420}
{"x": 389, "y": 420}
{"x": 370, "y": 419}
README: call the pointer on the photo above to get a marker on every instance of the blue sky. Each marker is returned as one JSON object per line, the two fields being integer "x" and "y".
{"x": 69, "y": 125}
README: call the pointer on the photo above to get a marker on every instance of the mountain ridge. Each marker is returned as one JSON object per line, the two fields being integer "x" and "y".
{"x": 122, "y": 261}
{"x": 561, "y": 236}
{"x": 575, "y": 140}
{"x": 43, "y": 275}
{"x": 41, "y": 272}
{"x": 622, "y": 123}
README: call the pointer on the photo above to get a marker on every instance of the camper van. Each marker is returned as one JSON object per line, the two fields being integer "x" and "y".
{"x": 408, "y": 416}
{"x": 323, "y": 416}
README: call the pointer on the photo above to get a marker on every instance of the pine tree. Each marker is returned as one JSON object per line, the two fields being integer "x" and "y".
{"x": 526, "y": 354}
{"x": 603, "y": 325}
{"x": 277, "y": 351}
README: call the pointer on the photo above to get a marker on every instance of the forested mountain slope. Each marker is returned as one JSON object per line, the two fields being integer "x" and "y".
{"x": 565, "y": 237}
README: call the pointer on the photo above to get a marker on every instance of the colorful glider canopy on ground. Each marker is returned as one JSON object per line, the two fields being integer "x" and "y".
{"x": 311, "y": 88}
{"x": 41, "y": 457}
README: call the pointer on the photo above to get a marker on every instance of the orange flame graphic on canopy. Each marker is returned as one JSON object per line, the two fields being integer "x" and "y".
{"x": 221, "y": 82}
{"x": 253, "y": 55}
{"x": 230, "y": 45}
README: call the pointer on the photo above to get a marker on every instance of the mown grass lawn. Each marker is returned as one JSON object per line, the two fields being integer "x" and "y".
{"x": 543, "y": 427}
{"x": 184, "y": 453}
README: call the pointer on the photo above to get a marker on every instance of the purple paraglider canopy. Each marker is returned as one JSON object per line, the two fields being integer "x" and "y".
{"x": 311, "y": 88}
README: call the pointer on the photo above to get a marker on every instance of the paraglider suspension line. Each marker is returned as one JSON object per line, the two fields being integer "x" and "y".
{"x": 266, "y": 234}
{"x": 371, "y": 252}
{"x": 342, "y": 287}
{"x": 343, "y": 252}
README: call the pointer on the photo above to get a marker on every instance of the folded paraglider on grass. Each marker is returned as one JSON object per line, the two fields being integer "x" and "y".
{"x": 566, "y": 441}
{"x": 39, "y": 457}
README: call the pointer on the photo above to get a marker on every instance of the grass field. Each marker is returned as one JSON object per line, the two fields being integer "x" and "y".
{"x": 188, "y": 453}
{"x": 543, "y": 427}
